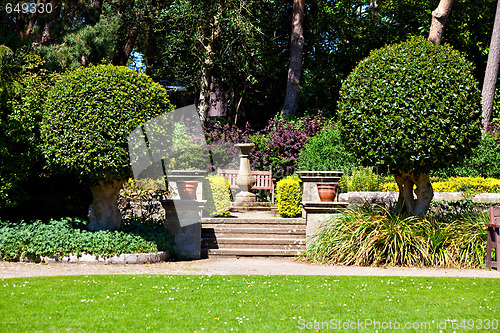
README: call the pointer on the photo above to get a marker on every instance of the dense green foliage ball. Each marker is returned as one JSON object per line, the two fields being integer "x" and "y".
{"x": 413, "y": 106}
{"x": 217, "y": 192}
{"x": 89, "y": 114}
{"x": 325, "y": 152}
{"x": 289, "y": 197}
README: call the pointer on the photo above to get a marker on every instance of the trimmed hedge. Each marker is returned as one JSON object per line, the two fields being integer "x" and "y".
{"x": 289, "y": 197}
{"x": 217, "y": 192}
{"x": 68, "y": 236}
{"x": 457, "y": 184}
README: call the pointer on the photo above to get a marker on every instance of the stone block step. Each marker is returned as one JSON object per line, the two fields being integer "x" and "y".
{"x": 249, "y": 252}
{"x": 267, "y": 221}
{"x": 268, "y": 245}
{"x": 251, "y": 232}
{"x": 268, "y": 242}
{"x": 254, "y": 226}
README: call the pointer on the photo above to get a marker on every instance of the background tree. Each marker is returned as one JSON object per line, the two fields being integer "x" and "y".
{"x": 296, "y": 54}
{"x": 90, "y": 113}
{"x": 397, "y": 111}
{"x": 219, "y": 50}
{"x": 491, "y": 75}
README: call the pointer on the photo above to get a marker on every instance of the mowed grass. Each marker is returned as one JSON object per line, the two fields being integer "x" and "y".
{"x": 180, "y": 303}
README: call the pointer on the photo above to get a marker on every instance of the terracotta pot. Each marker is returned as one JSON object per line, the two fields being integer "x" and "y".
{"x": 327, "y": 191}
{"x": 187, "y": 189}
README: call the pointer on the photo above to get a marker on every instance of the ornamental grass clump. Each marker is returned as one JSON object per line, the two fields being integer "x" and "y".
{"x": 381, "y": 236}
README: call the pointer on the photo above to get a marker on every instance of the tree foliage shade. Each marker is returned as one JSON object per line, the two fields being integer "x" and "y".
{"x": 413, "y": 106}
{"x": 89, "y": 114}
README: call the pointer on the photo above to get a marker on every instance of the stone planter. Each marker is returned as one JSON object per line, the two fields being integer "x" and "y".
{"x": 187, "y": 189}
{"x": 327, "y": 191}
{"x": 187, "y": 176}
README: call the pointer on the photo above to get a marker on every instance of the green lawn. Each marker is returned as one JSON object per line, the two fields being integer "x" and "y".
{"x": 179, "y": 303}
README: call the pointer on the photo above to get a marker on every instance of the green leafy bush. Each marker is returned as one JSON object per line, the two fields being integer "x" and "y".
{"x": 90, "y": 113}
{"x": 361, "y": 179}
{"x": 23, "y": 88}
{"x": 381, "y": 236}
{"x": 325, "y": 152}
{"x": 413, "y": 106}
{"x": 289, "y": 196}
{"x": 217, "y": 192}
{"x": 67, "y": 236}
{"x": 484, "y": 161}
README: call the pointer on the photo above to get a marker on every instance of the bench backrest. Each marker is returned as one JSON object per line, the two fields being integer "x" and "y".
{"x": 494, "y": 215}
{"x": 263, "y": 179}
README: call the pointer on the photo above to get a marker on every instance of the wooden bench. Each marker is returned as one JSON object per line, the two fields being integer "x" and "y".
{"x": 493, "y": 238}
{"x": 263, "y": 180}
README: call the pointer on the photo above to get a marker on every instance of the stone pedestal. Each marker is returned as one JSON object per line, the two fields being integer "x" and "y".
{"x": 309, "y": 187}
{"x": 317, "y": 213}
{"x": 183, "y": 219}
{"x": 187, "y": 175}
{"x": 245, "y": 179}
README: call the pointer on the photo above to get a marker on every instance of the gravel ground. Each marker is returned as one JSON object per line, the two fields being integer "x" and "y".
{"x": 227, "y": 266}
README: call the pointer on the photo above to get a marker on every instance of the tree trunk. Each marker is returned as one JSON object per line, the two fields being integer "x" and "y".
{"x": 103, "y": 211}
{"x": 423, "y": 191}
{"x": 125, "y": 47}
{"x": 204, "y": 97}
{"x": 439, "y": 16}
{"x": 491, "y": 75}
{"x": 218, "y": 98}
{"x": 296, "y": 54}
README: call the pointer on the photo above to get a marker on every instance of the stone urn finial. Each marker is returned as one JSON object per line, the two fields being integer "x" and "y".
{"x": 245, "y": 180}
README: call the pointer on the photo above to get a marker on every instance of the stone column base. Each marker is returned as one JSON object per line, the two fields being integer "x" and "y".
{"x": 183, "y": 219}
{"x": 317, "y": 213}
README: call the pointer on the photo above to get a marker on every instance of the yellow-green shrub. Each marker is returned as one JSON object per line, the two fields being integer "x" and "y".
{"x": 288, "y": 197}
{"x": 458, "y": 184}
{"x": 218, "y": 195}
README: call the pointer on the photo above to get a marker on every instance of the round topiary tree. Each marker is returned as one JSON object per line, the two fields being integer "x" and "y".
{"x": 412, "y": 107}
{"x": 89, "y": 114}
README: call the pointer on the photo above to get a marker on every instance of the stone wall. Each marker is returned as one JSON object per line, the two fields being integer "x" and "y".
{"x": 144, "y": 204}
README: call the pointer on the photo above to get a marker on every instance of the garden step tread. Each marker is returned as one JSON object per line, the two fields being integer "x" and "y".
{"x": 278, "y": 221}
{"x": 256, "y": 241}
{"x": 250, "y": 252}
{"x": 257, "y": 227}
{"x": 263, "y": 246}
{"x": 252, "y": 234}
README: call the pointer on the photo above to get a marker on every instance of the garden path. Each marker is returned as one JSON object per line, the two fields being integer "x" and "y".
{"x": 226, "y": 266}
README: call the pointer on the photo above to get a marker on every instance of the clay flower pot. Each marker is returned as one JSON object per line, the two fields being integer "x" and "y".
{"x": 187, "y": 189}
{"x": 327, "y": 191}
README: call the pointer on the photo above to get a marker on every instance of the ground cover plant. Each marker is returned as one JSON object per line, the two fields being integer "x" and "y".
{"x": 165, "y": 303}
{"x": 69, "y": 236}
{"x": 381, "y": 236}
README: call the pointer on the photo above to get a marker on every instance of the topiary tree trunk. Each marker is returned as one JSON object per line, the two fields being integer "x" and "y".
{"x": 103, "y": 211}
{"x": 439, "y": 17}
{"x": 423, "y": 191}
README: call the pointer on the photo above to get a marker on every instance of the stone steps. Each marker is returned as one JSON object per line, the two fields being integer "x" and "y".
{"x": 249, "y": 253}
{"x": 252, "y": 235}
